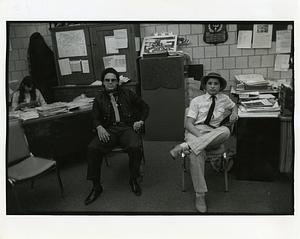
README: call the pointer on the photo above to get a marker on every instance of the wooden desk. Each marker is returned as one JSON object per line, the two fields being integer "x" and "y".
{"x": 59, "y": 135}
{"x": 258, "y": 144}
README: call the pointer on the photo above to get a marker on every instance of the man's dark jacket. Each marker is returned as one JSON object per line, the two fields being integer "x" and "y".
{"x": 131, "y": 107}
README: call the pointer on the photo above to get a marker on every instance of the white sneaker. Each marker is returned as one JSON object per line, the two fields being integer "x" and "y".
{"x": 200, "y": 204}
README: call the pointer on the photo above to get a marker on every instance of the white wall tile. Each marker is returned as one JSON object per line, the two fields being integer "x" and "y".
{"x": 248, "y": 71}
{"x": 267, "y": 61}
{"x": 149, "y": 31}
{"x": 241, "y": 62}
{"x": 262, "y": 71}
{"x": 254, "y": 61}
{"x": 196, "y": 28}
{"x": 161, "y": 28}
{"x": 273, "y": 74}
{"x": 286, "y": 74}
{"x": 198, "y": 52}
{"x": 222, "y": 51}
{"x": 229, "y": 62}
{"x": 247, "y": 52}
{"x": 210, "y": 51}
{"x": 234, "y": 51}
{"x": 206, "y": 63}
{"x": 184, "y": 29}
{"x": 217, "y": 63}
{"x": 261, "y": 51}
{"x": 174, "y": 28}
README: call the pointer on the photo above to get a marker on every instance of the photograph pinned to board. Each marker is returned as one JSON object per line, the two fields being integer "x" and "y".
{"x": 262, "y": 35}
{"x": 116, "y": 61}
{"x": 159, "y": 45}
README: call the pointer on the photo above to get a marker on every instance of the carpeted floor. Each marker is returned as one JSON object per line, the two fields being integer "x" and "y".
{"x": 161, "y": 190}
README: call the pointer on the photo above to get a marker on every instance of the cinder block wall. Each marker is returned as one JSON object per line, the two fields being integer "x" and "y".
{"x": 224, "y": 58}
{"x": 19, "y": 35}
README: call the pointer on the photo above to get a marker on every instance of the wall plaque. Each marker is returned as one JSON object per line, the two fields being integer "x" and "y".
{"x": 215, "y": 33}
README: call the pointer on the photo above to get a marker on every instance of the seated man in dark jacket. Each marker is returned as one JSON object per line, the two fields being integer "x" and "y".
{"x": 118, "y": 115}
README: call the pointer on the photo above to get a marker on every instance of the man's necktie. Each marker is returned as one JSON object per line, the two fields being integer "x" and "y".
{"x": 211, "y": 110}
{"x": 115, "y": 106}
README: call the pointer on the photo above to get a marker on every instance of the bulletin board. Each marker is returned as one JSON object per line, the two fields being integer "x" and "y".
{"x": 72, "y": 48}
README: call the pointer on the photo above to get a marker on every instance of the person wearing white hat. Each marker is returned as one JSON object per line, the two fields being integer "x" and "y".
{"x": 205, "y": 128}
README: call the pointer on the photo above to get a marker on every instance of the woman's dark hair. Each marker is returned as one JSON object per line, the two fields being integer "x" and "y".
{"x": 27, "y": 81}
{"x": 110, "y": 70}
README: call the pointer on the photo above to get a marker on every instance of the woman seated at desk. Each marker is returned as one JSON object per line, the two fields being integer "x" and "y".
{"x": 27, "y": 96}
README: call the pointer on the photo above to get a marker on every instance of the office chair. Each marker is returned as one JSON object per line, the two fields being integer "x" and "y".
{"x": 219, "y": 153}
{"x": 121, "y": 150}
{"x": 22, "y": 165}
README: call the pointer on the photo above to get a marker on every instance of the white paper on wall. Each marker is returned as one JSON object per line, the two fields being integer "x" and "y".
{"x": 71, "y": 43}
{"x": 85, "y": 66}
{"x": 282, "y": 62}
{"x": 64, "y": 66}
{"x": 262, "y": 35}
{"x": 244, "y": 39}
{"x": 121, "y": 38}
{"x": 283, "y": 41}
{"x": 75, "y": 66}
{"x": 111, "y": 45}
{"x": 137, "y": 43}
{"x": 118, "y": 62}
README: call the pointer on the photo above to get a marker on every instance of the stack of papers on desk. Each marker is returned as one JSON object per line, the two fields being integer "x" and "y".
{"x": 251, "y": 81}
{"x": 24, "y": 115}
{"x": 259, "y": 107}
{"x": 82, "y": 103}
{"x": 257, "y": 103}
{"x": 52, "y": 109}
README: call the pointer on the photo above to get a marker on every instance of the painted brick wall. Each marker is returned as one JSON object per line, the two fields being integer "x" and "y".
{"x": 224, "y": 58}
{"x": 19, "y": 35}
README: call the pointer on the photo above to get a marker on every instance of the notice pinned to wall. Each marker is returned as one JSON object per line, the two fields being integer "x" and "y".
{"x": 75, "y": 66}
{"x": 71, "y": 43}
{"x": 121, "y": 38}
{"x": 282, "y": 62}
{"x": 111, "y": 45}
{"x": 244, "y": 39}
{"x": 283, "y": 41}
{"x": 118, "y": 62}
{"x": 64, "y": 66}
{"x": 262, "y": 35}
{"x": 85, "y": 66}
{"x": 137, "y": 41}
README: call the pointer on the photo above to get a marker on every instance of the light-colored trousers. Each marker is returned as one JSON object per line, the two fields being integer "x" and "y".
{"x": 209, "y": 138}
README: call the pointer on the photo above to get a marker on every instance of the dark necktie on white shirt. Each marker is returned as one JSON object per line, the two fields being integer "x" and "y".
{"x": 115, "y": 107}
{"x": 211, "y": 110}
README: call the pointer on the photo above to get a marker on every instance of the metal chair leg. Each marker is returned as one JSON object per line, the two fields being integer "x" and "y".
{"x": 184, "y": 171}
{"x": 106, "y": 161}
{"x": 59, "y": 181}
{"x": 225, "y": 168}
{"x": 32, "y": 183}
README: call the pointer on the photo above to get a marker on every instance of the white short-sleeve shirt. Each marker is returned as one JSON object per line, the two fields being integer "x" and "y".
{"x": 199, "y": 107}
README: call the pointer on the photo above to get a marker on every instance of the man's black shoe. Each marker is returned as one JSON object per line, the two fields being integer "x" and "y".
{"x": 94, "y": 194}
{"x": 135, "y": 187}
